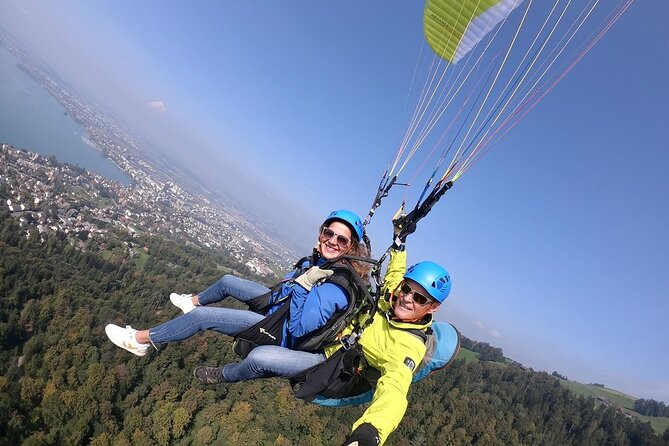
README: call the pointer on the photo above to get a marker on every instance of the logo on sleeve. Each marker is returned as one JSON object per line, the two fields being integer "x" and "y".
{"x": 409, "y": 363}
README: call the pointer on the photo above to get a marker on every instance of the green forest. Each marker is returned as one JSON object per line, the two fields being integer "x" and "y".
{"x": 63, "y": 383}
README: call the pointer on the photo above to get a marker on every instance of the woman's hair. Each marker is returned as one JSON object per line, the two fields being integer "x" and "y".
{"x": 360, "y": 250}
{"x": 357, "y": 249}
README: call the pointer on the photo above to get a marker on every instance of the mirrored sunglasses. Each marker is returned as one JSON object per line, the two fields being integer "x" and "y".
{"x": 419, "y": 298}
{"x": 342, "y": 240}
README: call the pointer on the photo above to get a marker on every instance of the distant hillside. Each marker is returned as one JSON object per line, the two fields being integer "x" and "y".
{"x": 606, "y": 396}
{"x": 63, "y": 382}
{"x": 601, "y": 395}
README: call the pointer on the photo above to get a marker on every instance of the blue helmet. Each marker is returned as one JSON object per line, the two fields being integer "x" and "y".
{"x": 434, "y": 278}
{"x": 351, "y": 219}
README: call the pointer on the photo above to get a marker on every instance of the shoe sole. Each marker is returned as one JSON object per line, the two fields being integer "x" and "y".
{"x": 205, "y": 382}
{"x": 125, "y": 346}
{"x": 178, "y": 304}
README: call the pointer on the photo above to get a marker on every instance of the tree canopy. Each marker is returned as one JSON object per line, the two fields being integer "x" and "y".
{"x": 63, "y": 382}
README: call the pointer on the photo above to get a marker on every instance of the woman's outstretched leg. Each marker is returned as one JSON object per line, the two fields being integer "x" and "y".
{"x": 241, "y": 289}
{"x": 223, "y": 320}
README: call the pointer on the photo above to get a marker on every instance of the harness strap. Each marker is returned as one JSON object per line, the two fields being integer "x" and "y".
{"x": 269, "y": 331}
{"x": 360, "y": 296}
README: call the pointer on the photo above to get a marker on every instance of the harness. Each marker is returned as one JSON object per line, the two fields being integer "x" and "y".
{"x": 346, "y": 373}
{"x": 265, "y": 301}
{"x": 269, "y": 331}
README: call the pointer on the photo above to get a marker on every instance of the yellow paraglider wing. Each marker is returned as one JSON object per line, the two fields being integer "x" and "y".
{"x": 454, "y": 27}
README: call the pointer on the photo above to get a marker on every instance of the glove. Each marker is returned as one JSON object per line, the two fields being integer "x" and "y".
{"x": 312, "y": 276}
{"x": 401, "y": 229}
{"x": 363, "y": 435}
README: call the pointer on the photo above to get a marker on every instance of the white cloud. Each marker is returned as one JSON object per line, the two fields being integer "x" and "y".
{"x": 487, "y": 332}
{"x": 158, "y": 106}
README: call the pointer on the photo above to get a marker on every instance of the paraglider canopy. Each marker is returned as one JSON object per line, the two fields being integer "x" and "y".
{"x": 454, "y": 27}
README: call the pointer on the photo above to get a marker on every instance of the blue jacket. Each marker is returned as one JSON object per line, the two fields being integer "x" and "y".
{"x": 309, "y": 310}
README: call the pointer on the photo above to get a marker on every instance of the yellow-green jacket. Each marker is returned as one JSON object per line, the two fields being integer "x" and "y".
{"x": 393, "y": 351}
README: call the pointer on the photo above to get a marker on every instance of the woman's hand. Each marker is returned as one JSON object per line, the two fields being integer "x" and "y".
{"x": 312, "y": 276}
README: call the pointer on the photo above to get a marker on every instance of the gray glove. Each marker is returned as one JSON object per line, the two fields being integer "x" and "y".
{"x": 312, "y": 276}
{"x": 399, "y": 240}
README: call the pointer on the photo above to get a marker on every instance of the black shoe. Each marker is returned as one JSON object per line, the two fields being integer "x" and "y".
{"x": 209, "y": 375}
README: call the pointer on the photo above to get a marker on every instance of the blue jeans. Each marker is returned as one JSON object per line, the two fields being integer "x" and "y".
{"x": 241, "y": 289}
{"x": 266, "y": 361}
{"x": 263, "y": 361}
{"x": 223, "y": 320}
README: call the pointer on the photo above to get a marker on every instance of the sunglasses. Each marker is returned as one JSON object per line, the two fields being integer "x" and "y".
{"x": 419, "y": 298}
{"x": 342, "y": 240}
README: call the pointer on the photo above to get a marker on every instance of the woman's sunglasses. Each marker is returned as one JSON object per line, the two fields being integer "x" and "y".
{"x": 342, "y": 240}
{"x": 419, "y": 298}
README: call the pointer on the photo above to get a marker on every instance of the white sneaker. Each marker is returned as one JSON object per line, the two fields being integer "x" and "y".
{"x": 183, "y": 301}
{"x": 126, "y": 339}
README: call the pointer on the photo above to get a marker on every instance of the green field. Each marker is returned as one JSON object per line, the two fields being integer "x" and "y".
{"x": 619, "y": 399}
{"x": 660, "y": 424}
{"x": 468, "y": 355}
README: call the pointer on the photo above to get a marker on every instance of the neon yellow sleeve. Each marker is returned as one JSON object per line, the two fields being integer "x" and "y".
{"x": 397, "y": 266}
{"x": 390, "y": 398}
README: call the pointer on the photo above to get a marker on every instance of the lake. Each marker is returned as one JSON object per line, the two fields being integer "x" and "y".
{"x": 31, "y": 119}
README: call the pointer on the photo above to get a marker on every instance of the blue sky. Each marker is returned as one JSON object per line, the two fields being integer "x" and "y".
{"x": 556, "y": 240}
